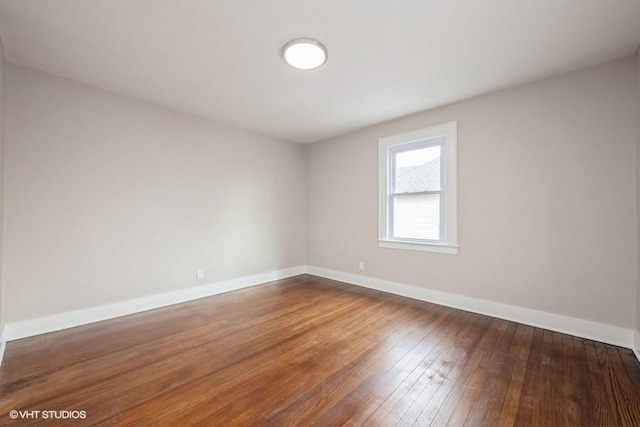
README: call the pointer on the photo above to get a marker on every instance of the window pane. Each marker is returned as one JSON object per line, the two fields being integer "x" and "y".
{"x": 417, "y": 217}
{"x": 417, "y": 170}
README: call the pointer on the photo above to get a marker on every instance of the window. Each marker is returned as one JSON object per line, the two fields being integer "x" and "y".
{"x": 418, "y": 190}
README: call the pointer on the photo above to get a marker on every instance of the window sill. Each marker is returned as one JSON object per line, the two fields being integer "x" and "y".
{"x": 439, "y": 248}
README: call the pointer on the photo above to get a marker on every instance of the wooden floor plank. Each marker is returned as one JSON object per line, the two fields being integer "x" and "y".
{"x": 625, "y": 394}
{"x": 234, "y": 378}
{"x": 334, "y": 359}
{"x": 433, "y": 369}
{"x": 470, "y": 387}
{"x": 503, "y": 408}
{"x": 584, "y": 391}
{"x": 322, "y": 397}
{"x": 305, "y": 351}
{"x": 363, "y": 400}
{"x": 490, "y": 391}
{"x": 571, "y": 408}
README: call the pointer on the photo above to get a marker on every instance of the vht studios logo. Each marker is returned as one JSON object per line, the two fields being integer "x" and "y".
{"x": 47, "y": 415}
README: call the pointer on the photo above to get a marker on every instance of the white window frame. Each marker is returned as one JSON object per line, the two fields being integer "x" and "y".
{"x": 448, "y": 134}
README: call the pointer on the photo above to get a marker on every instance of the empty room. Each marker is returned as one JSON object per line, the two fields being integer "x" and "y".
{"x": 305, "y": 212}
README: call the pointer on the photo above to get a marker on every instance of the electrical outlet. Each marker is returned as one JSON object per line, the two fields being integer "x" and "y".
{"x": 361, "y": 266}
{"x": 200, "y": 274}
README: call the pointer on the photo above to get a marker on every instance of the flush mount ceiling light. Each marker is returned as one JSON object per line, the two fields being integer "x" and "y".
{"x": 305, "y": 54}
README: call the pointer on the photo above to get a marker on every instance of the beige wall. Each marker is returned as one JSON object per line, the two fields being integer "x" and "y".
{"x": 638, "y": 189}
{"x": 2, "y": 94}
{"x": 108, "y": 198}
{"x": 547, "y": 198}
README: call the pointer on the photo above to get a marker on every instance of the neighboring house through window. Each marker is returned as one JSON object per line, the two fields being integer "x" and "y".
{"x": 418, "y": 209}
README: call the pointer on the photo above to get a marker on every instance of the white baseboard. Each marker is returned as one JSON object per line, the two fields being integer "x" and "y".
{"x": 555, "y": 322}
{"x": 70, "y": 319}
{"x": 578, "y": 327}
{"x": 3, "y": 342}
{"x": 636, "y": 344}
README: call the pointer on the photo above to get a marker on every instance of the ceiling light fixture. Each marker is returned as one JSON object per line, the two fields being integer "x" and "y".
{"x": 305, "y": 54}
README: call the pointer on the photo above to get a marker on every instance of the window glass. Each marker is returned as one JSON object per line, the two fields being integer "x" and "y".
{"x": 417, "y": 170}
{"x": 417, "y": 217}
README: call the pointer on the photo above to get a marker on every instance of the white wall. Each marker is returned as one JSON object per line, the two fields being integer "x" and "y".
{"x": 547, "y": 198}
{"x": 108, "y": 198}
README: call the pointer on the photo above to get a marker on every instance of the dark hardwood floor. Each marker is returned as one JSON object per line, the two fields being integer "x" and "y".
{"x": 308, "y": 351}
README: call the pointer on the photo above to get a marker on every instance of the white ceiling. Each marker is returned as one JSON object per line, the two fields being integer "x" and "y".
{"x": 221, "y": 58}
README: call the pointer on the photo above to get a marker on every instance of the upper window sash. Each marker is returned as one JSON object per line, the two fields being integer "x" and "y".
{"x": 393, "y": 150}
